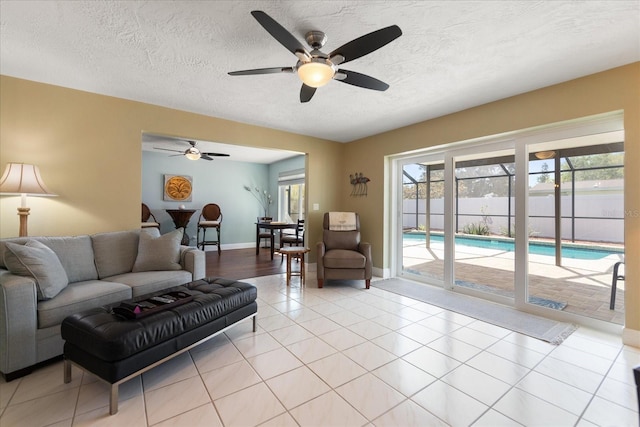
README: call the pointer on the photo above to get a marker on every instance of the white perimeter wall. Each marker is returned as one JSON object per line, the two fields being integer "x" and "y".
{"x": 607, "y": 211}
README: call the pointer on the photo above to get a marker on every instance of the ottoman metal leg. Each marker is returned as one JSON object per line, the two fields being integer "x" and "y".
{"x": 113, "y": 399}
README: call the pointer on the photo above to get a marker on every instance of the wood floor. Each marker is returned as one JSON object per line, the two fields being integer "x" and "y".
{"x": 243, "y": 263}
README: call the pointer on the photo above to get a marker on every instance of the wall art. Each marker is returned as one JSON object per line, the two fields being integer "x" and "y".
{"x": 178, "y": 188}
{"x": 359, "y": 184}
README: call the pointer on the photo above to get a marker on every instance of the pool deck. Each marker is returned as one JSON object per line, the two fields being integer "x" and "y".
{"x": 584, "y": 285}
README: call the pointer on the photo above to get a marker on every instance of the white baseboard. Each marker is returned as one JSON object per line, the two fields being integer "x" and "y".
{"x": 229, "y": 246}
{"x": 631, "y": 337}
{"x": 385, "y": 273}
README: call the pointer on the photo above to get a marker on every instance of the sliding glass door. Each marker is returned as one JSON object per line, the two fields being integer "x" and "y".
{"x": 484, "y": 213}
{"x": 423, "y": 219}
{"x": 536, "y": 221}
{"x": 576, "y": 225}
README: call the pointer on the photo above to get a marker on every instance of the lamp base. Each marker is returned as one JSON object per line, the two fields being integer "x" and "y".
{"x": 24, "y": 213}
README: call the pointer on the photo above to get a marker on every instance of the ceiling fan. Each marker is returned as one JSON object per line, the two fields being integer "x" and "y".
{"x": 316, "y": 68}
{"x": 193, "y": 153}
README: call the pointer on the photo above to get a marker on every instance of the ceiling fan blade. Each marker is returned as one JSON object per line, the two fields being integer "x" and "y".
{"x": 279, "y": 33}
{"x": 167, "y": 149}
{"x": 203, "y": 156}
{"x": 361, "y": 80}
{"x": 215, "y": 154}
{"x": 306, "y": 93}
{"x": 365, "y": 44}
{"x": 272, "y": 70}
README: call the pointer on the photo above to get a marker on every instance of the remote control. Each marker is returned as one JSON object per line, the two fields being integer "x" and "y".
{"x": 162, "y": 300}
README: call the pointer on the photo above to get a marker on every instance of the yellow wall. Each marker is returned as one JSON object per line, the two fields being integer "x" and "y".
{"x": 616, "y": 89}
{"x": 88, "y": 150}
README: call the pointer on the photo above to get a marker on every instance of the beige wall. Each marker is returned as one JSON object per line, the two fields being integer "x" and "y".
{"x": 88, "y": 149}
{"x": 617, "y": 89}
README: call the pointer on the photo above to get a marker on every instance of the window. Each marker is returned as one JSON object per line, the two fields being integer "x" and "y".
{"x": 291, "y": 192}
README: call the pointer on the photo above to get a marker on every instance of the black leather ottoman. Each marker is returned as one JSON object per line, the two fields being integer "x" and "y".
{"x": 117, "y": 349}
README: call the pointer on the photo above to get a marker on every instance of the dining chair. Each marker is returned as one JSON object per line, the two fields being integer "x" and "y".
{"x": 293, "y": 239}
{"x": 265, "y": 233}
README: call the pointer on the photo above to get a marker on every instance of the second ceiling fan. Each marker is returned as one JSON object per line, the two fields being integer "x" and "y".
{"x": 316, "y": 68}
{"x": 193, "y": 153}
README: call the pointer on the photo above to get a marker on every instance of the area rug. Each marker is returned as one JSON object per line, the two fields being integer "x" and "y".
{"x": 507, "y": 317}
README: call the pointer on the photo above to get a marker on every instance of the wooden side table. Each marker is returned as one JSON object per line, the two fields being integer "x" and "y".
{"x": 290, "y": 252}
{"x": 181, "y": 218}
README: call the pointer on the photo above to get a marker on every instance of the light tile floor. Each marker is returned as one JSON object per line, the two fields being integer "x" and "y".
{"x": 346, "y": 356}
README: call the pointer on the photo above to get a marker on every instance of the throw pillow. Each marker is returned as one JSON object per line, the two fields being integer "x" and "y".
{"x": 159, "y": 253}
{"x": 37, "y": 260}
{"x": 115, "y": 252}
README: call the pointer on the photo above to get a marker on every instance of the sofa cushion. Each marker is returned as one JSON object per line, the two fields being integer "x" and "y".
{"x": 80, "y": 296}
{"x": 159, "y": 253}
{"x": 115, "y": 252}
{"x": 40, "y": 262}
{"x": 151, "y": 281}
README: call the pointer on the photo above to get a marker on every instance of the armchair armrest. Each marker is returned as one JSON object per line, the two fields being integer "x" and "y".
{"x": 18, "y": 321}
{"x": 194, "y": 261}
{"x": 365, "y": 249}
{"x": 321, "y": 249}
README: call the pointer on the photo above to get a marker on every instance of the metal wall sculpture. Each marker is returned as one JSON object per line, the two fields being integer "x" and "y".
{"x": 359, "y": 183}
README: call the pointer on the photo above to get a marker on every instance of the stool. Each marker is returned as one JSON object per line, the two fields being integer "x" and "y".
{"x": 295, "y": 251}
{"x": 210, "y": 217}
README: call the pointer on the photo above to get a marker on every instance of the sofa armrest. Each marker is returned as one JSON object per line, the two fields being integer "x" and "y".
{"x": 365, "y": 249}
{"x": 18, "y": 321}
{"x": 194, "y": 261}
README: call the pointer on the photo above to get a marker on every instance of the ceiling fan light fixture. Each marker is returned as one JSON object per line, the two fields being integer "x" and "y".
{"x": 545, "y": 155}
{"x": 316, "y": 73}
{"x": 192, "y": 153}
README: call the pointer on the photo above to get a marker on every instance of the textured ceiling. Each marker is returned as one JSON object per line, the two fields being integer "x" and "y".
{"x": 452, "y": 54}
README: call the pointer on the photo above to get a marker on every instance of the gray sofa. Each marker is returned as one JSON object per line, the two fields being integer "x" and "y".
{"x": 45, "y": 279}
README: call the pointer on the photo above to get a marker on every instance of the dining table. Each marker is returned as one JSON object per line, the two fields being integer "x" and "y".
{"x": 272, "y": 226}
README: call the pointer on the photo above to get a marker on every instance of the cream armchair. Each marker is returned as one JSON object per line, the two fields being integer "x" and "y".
{"x": 341, "y": 254}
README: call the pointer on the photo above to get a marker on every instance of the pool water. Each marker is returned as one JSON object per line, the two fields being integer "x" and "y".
{"x": 509, "y": 246}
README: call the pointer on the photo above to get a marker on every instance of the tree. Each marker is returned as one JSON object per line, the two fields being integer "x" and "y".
{"x": 584, "y": 165}
{"x": 544, "y": 177}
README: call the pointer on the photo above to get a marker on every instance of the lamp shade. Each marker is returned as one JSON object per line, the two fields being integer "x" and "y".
{"x": 21, "y": 178}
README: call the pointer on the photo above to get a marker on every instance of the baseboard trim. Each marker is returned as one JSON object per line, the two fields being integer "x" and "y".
{"x": 385, "y": 273}
{"x": 631, "y": 337}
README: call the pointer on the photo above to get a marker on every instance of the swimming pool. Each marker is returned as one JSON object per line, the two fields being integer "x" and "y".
{"x": 537, "y": 248}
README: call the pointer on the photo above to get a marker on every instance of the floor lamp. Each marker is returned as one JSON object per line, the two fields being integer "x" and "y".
{"x": 22, "y": 179}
